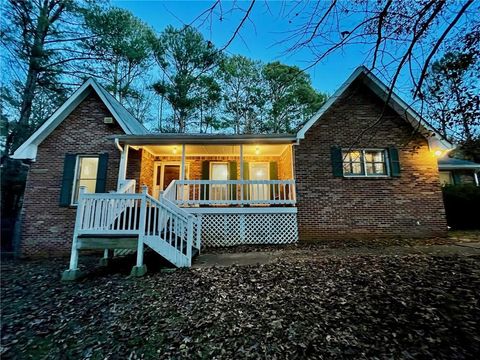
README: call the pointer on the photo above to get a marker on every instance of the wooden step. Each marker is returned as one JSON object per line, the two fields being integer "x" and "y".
{"x": 107, "y": 242}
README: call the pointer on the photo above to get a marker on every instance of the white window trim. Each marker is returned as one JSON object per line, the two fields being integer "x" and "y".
{"x": 162, "y": 165}
{"x": 256, "y": 163}
{"x": 450, "y": 177}
{"x": 218, "y": 163}
{"x": 75, "y": 175}
{"x": 364, "y": 164}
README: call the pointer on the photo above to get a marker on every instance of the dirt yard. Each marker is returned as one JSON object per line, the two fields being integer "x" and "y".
{"x": 356, "y": 306}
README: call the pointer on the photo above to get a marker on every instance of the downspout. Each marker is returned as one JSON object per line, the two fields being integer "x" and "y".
{"x": 122, "y": 168}
{"x": 117, "y": 144}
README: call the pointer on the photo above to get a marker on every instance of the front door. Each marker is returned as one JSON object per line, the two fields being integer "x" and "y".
{"x": 164, "y": 174}
{"x": 259, "y": 171}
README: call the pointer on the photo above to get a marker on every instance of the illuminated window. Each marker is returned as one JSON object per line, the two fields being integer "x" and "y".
{"x": 365, "y": 163}
{"x": 446, "y": 178}
{"x": 85, "y": 175}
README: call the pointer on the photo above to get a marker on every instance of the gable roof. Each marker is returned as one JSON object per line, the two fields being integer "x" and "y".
{"x": 435, "y": 140}
{"x": 130, "y": 125}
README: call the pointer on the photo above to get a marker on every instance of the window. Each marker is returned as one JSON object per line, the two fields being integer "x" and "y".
{"x": 446, "y": 178}
{"x": 365, "y": 163}
{"x": 85, "y": 175}
{"x": 219, "y": 171}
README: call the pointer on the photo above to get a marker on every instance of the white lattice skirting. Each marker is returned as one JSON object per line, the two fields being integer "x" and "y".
{"x": 249, "y": 227}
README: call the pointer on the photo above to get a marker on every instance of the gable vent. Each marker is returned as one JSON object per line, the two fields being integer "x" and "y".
{"x": 108, "y": 120}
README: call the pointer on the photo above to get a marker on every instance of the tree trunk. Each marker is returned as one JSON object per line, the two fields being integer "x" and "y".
{"x": 34, "y": 66}
{"x": 116, "y": 93}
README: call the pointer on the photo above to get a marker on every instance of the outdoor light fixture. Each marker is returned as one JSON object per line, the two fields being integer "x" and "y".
{"x": 438, "y": 153}
{"x": 174, "y": 150}
{"x": 257, "y": 150}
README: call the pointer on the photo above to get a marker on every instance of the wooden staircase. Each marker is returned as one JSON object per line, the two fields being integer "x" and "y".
{"x": 128, "y": 221}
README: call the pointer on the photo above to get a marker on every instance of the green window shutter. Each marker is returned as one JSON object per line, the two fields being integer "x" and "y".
{"x": 273, "y": 176}
{"x": 394, "y": 161}
{"x": 246, "y": 176}
{"x": 204, "y": 189}
{"x": 233, "y": 170}
{"x": 67, "y": 179}
{"x": 246, "y": 171}
{"x": 337, "y": 161}
{"x": 102, "y": 173}
{"x": 273, "y": 170}
{"x": 205, "y": 170}
{"x": 233, "y": 176}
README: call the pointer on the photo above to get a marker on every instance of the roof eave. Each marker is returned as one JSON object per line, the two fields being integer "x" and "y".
{"x": 458, "y": 167}
{"x": 28, "y": 150}
{"x": 173, "y": 139}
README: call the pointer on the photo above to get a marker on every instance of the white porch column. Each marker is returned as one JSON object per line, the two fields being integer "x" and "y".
{"x": 241, "y": 171}
{"x": 122, "y": 168}
{"x": 182, "y": 166}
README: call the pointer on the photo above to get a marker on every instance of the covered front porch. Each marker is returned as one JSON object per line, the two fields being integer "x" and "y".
{"x": 240, "y": 188}
{"x": 240, "y": 172}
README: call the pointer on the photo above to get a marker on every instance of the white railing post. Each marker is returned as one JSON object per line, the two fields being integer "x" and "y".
{"x": 198, "y": 234}
{"x": 78, "y": 224}
{"x": 182, "y": 164}
{"x": 241, "y": 174}
{"x": 140, "y": 269}
{"x": 73, "y": 271}
{"x": 189, "y": 239}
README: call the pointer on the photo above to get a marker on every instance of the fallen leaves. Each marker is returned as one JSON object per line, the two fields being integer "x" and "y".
{"x": 348, "y": 307}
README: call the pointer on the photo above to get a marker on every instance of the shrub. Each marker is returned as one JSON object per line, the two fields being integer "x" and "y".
{"x": 462, "y": 205}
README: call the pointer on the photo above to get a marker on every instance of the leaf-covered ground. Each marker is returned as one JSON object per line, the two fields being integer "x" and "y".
{"x": 412, "y": 306}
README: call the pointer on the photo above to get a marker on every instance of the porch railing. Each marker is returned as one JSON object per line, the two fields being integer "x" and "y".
{"x": 231, "y": 192}
{"x": 166, "y": 228}
{"x": 108, "y": 214}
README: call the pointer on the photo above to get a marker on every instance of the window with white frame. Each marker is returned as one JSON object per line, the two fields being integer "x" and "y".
{"x": 365, "y": 162}
{"x": 446, "y": 178}
{"x": 86, "y": 172}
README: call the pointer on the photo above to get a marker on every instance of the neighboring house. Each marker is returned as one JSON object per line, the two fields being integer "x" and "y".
{"x": 177, "y": 190}
{"x": 455, "y": 171}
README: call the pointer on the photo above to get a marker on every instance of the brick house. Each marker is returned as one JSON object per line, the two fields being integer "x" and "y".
{"x": 358, "y": 169}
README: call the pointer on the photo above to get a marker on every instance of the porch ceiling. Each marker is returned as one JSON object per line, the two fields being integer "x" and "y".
{"x": 217, "y": 150}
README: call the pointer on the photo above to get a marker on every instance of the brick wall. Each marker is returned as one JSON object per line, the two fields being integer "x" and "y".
{"x": 339, "y": 208}
{"x": 285, "y": 167}
{"x": 47, "y": 228}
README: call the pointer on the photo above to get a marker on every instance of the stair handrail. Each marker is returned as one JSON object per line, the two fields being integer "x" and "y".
{"x": 127, "y": 186}
{"x": 170, "y": 193}
{"x": 187, "y": 218}
{"x": 169, "y": 198}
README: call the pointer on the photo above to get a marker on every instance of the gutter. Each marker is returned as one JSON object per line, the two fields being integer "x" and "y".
{"x": 173, "y": 139}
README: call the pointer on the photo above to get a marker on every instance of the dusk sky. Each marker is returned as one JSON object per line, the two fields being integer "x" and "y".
{"x": 258, "y": 37}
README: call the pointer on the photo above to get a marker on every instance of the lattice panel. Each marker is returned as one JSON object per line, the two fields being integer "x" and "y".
{"x": 240, "y": 229}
